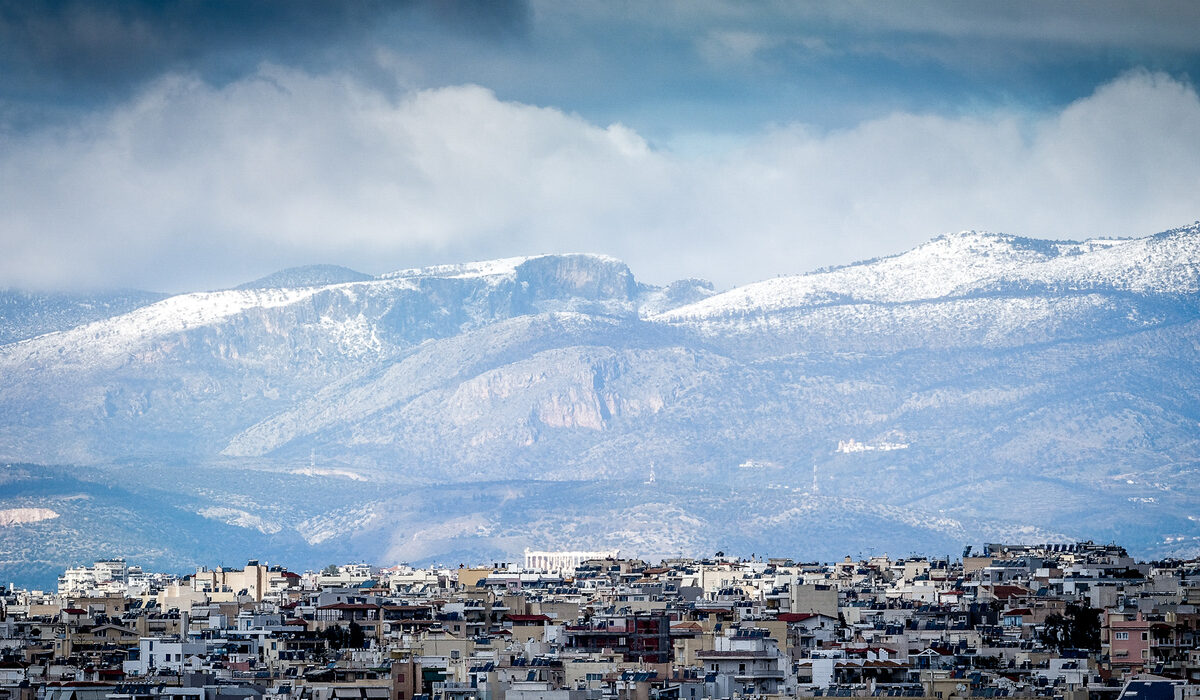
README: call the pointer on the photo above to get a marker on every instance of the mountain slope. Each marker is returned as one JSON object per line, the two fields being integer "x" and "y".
{"x": 1021, "y": 388}
{"x": 307, "y": 276}
{"x": 972, "y": 263}
{"x": 27, "y": 314}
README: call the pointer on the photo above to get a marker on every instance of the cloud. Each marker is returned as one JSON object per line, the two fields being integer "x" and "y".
{"x": 195, "y": 186}
{"x": 1107, "y": 23}
{"x": 61, "y": 48}
{"x": 663, "y": 67}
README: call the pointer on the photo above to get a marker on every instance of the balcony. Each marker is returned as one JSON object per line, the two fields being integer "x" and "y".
{"x": 733, "y": 655}
{"x": 453, "y": 690}
{"x": 759, "y": 674}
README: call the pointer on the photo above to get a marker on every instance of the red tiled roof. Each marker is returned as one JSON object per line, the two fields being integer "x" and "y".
{"x": 689, "y": 625}
{"x": 1008, "y": 591}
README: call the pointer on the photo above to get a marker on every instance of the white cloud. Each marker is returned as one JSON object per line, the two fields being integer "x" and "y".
{"x": 191, "y": 185}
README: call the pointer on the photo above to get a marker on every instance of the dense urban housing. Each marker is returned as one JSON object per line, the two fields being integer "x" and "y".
{"x": 1080, "y": 621}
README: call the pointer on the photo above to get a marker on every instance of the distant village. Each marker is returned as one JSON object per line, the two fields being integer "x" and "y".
{"x": 1078, "y": 621}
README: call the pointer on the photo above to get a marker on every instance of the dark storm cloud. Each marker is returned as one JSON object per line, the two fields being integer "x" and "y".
{"x": 661, "y": 67}
{"x": 65, "y": 49}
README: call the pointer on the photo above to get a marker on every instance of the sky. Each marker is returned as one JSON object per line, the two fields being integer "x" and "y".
{"x": 178, "y": 146}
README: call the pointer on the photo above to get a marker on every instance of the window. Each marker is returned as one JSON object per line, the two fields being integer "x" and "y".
{"x": 1122, "y": 636}
{"x": 1145, "y": 636}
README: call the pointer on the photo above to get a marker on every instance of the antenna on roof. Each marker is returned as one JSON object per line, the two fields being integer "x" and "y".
{"x": 650, "y": 480}
{"x": 816, "y": 487}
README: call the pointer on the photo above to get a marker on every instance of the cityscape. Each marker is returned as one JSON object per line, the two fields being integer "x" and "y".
{"x": 599, "y": 349}
{"x": 1070, "y": 621}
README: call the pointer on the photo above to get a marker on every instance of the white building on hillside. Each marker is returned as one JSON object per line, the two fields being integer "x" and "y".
{"x": 563, "y": 562}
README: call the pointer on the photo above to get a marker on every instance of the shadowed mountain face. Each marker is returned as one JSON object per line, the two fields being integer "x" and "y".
{"x": 979, "y": 387}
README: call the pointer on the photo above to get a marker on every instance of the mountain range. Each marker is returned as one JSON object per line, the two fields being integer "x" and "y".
{"x": 979, "y": 387}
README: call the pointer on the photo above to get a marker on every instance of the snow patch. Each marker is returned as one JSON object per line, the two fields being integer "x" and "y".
{"x": 25, "y": 516}
{"x": 758, "y": 464}
{"x": 852, "y": 445}
{"x": 240, "y": 518}
{"x": 336, "y": 523}
{"x": 336, "y": 473}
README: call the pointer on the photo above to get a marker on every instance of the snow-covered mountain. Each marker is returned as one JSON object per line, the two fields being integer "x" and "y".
{"x": 970, "y": 263}
{"x": 1040, "y": 388}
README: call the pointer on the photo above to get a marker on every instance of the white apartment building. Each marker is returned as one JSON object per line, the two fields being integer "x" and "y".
{"x": 168, "y": 654}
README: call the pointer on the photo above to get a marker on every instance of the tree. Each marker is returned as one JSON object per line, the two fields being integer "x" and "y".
{"x": 356, "y": 639}
{"x": 1078, "y": 628}
{"x": 986, "y": 662}
{"x": 350, "y": 637}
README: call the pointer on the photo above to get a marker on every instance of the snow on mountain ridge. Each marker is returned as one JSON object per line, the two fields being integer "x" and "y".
{"x": 125, "y": 334}
{"x": 967, "y": 262}
{"x": 480, "y": 268}
{"x": 118, "y": 338}
{"x": 934, "y": 269}
{"x": 486, "y": 268}
{"x": 1165, "y": 263}
{"x": 950, "y": 266}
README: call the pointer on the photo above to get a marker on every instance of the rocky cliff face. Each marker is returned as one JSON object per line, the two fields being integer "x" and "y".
{"x": 1030, "y": 382}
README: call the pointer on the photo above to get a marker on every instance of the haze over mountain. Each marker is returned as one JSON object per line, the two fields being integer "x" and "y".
{"x": 978, "y": 387}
